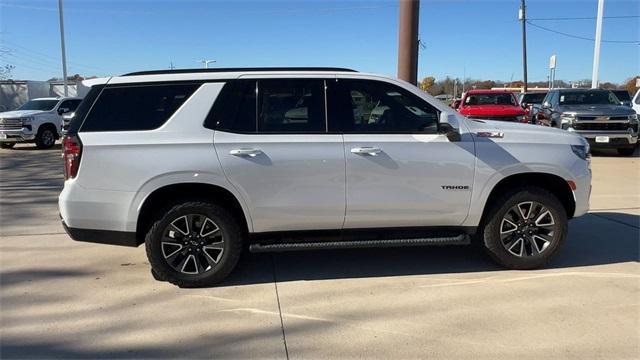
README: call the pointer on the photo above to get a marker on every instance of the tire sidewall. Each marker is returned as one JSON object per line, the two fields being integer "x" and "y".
{"x": 493, "y": 243}
{"x": 231, "y": 247}
{"x": 40, "y": 138}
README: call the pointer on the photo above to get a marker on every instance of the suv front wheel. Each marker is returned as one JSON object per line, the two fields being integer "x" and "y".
{"x": 525, "y": 228}
{"x": 46, "y": 137}
{"x": 194, "y": 244}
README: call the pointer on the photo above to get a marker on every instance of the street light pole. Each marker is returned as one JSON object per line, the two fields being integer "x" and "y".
{"x": 523, "y": 18}
{"x": 206, "y": 63}
{"x": 596, "y": 49}
{"x": 64, "y": 56}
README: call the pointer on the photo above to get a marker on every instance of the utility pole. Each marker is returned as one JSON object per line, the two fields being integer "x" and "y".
{"x": 171, "y": 67}
{"x": 523, "y": 18}
{"x": 206, "y": 63}
{"x": 64, "y": 56}
{"x": 596, "y": 49}
{"x": 408, "y": 41}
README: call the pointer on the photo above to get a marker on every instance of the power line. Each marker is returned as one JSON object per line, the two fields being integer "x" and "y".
{"x": 49, "y": 58}
{"x": 586, "y": 18}
{"x": 582, "y": 37}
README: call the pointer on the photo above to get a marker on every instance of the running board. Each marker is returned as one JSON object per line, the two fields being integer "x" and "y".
{"x": 462, "y": 239}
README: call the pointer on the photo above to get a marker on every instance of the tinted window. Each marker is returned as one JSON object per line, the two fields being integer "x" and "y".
{"x": 70, "y": 104}
{"x": 622, "y": 95}
{"x": 533, "y": 98}
{"x": 83, "y": 108}
{"x": 43, "y": 105}
{"x": 361, "y": 106}
{"x": 588, "y": 97}
{"x": 291, "y": 106}
{"x": 489, "y": 99}
{"x": 130, "y": 108}
{"x": 235, "y": 108}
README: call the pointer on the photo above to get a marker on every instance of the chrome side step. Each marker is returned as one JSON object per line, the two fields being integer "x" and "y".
{"x": 462, "y": 239}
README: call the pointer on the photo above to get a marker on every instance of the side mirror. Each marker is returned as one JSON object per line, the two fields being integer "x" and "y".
{"x": 449, "y": 126}
{"x": 62, "y": 111}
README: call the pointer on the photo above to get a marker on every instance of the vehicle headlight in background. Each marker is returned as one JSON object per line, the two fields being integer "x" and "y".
{"x": 26, "y": 120}
{"x": 567, "y": 120}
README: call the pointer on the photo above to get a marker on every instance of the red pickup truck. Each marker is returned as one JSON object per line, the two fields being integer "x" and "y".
{"x": 492, "y": 104}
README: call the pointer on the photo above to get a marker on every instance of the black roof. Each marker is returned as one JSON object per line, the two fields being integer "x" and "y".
{"x": 248, "y": 69}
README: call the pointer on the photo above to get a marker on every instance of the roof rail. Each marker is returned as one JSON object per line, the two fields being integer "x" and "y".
{"x": 248, "y": 69}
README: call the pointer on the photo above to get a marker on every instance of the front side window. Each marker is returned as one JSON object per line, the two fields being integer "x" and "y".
{"x": 291, "y": 106}
{"x": 363, "y": 106}
{"x": 42, "y": 105}
{"x": 135, "y": 108}
{"x": 71, "y": 105}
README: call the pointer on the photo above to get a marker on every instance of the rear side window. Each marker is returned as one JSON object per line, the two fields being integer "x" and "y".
{"x": 83, "y": 109}
{"x": 135, "y": 108}
{"x": 235, "y": 108}
{"x": 291, "y": 106}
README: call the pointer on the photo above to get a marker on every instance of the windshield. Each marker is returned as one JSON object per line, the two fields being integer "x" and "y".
{"x": 43, "y": 105}
{"x": 535, "y": 98}
{"x": 490, "y": 99}
{"x": 622, "y": 95}
{"x": 592, "y": 97}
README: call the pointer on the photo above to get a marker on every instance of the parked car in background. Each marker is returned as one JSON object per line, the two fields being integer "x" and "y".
{"x": 531, "y": 102}
{"x": 593, "y": 113}
{"x": 38, "y": 120}
{"x": 623, "y": 96}
{"x": 491, "y": 104}
{"x": 207, "y": 162}
{"x": 635, "y": 103}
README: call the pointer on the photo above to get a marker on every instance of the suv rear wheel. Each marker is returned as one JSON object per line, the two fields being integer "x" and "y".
{"x": 194, "y": 244}
{"x": 46, "y": 137}
{"x": 525, "y": 228}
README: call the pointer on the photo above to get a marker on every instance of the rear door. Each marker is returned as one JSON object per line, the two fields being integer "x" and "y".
{"x": 400, "y": 171}
{"x": 272, "y": 141}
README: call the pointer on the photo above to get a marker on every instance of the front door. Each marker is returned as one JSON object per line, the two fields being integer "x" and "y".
{"x": 400, "y": 171}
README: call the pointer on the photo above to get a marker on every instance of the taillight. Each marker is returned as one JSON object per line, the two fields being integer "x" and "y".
{"x": 71, "y": 151}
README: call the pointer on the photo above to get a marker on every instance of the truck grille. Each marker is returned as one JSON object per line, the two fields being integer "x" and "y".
{"x": 10, "y": 124}
{"x": 602, "y": 118}
{"x": 601, "y": 126}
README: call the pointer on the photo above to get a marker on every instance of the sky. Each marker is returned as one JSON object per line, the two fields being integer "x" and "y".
{"x": 477, "y": 38}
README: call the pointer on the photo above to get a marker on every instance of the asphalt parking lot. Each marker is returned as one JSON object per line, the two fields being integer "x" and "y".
{"x": 64, "y": 299}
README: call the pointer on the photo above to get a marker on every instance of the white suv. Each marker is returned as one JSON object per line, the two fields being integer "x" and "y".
{"x": 37, "y": 120}
{"x": 198, "y": 163}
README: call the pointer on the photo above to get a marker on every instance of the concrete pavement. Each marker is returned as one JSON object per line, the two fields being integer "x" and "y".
{"x": 63, "y": 299}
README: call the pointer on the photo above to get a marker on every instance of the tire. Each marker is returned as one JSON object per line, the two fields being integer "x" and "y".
{"x": 540, "y": 235}
{"x": 626, "y": 151}
{"x": 7, "y": 145}
{"x": 178, "y": 254}
{"x": 46, "y": 137}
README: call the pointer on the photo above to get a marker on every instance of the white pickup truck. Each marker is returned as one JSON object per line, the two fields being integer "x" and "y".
{"x": 38, "y": 120}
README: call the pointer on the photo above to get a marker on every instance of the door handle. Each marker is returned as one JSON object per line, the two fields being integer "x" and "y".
{"x": 245, "y": 152}
{"x": 366, "y": 150}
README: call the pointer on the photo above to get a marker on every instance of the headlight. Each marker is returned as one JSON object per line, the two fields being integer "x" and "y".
{"x": 582, "y": 151}
{"x": 633, "y": 117}
{"x": 567, "y": 118}
{"x": 26, "y": 120}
